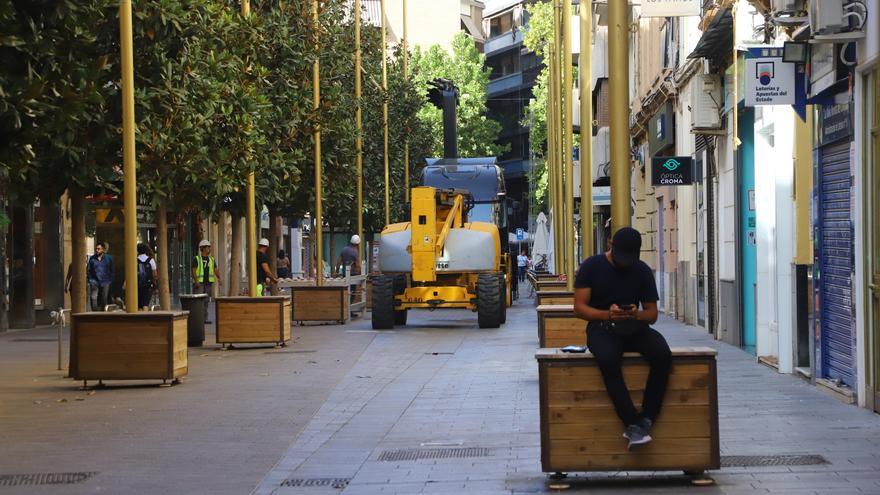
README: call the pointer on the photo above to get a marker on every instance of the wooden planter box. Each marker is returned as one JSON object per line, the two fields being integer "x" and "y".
{"x": 253, "y": 320}
{"x": 321, "y": 304}
{"x": 559, "y": 327}
{"x": 554, "y": 297}
{"x": 546, "y": 285}
{"x": 581, "y": 432}
{"x": 128, "y": 346}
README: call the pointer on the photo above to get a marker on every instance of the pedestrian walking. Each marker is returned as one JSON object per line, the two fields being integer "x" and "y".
{"x": 522, "y": 263}
{"x": 283, "y": 264}
{"x": 609, "y": 290}
{"x": 99, "y": 274}
{"x": 205, "y": 273}
{"x": 147, "y": 276}
{"x": 264, "y": 272}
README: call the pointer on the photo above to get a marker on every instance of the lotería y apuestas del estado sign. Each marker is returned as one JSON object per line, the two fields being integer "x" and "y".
{"x": 672, "y": 171}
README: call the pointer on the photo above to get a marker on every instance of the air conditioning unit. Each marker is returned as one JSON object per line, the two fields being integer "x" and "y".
{"x": 706, "y": 102}
{"x": 836, "y": 21}
{"x": 826, "y": 17}
{"x": 787, "y": 6}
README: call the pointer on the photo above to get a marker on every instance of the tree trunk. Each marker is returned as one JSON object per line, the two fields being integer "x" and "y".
{"x": 78, "y": 252}
{"x": 235, "y": 257}
{"x": 23, "y": 314}
{"x": 331, "y": 243}
{"x": 4, "y": 310}
{"x": 274, "y": 232}
{"x": 162, "y": 262}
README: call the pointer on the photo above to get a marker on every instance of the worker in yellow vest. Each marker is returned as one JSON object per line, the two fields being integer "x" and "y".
{"x": 205, "y": 273}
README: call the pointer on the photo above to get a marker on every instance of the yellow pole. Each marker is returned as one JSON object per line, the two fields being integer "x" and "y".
{"x": 803, "y": 188}
{"x": 558, "y": 230}
{"x": 251, "y": 207}
{"x": 405, "y": 137}
{"x": 128, "y": 156}
{"x": 358, "y": 143}
{"x": 561, "y": 234}
{"x": 551, "y": 154}
{"x": 618, "y": 101}
{"x": 316, "y": 135}
{"x": 385, "y": 112}
{"x": 586, "y": 137}
{"x": 568, "y": 143}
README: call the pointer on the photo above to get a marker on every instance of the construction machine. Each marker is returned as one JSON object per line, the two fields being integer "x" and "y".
{"x": 453, "y": 251}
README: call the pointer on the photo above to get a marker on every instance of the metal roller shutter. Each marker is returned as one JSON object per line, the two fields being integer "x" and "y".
{"x": 836, "y": 264}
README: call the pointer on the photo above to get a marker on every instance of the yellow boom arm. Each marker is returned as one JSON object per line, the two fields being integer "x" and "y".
{"x": 432, "y": 219}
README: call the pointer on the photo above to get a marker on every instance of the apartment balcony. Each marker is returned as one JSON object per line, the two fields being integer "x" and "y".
{"x": 503, "y": 42}
{"x": 504, "y": 84}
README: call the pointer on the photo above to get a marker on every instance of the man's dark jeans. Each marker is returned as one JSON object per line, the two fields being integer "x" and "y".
{"x": 608, "y": 345}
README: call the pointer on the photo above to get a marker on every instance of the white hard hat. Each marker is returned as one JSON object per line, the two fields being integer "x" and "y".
{"x": 204, "y": 243}
{"x": 264, "y": 242}
{"x": 355, "y": 239}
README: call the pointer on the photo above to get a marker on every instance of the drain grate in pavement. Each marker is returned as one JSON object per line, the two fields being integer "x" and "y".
{"x": 34, "y": 339}
{"x": 419, "y": 454}
{"x": 439, "y": 353}
{"x": 44, "y": 478}
{"x": 338, "y": 483}
{"x": 771, "y": 460}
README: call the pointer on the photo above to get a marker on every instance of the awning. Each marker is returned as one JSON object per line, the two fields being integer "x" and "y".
{"x": 472, "y": 29}
{"x": 717, "y": 41}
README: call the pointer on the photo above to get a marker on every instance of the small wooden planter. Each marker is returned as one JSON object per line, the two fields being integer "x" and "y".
{"x": 253, "y": 320}
{"x": 554, "y": 297}
{"x": 581, "y": 432}
{"x": 128, "y": 346}
{"x": 559, "y": 327}
{"x": 326, "y": 303}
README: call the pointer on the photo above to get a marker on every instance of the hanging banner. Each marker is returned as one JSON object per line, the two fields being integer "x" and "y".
{"x": 672, "y": 171}
{"x": 670, "y": 8}
{"x": 769, "y": 80}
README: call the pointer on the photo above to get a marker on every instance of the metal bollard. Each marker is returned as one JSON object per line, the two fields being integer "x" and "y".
{"x": 60, "y": 318}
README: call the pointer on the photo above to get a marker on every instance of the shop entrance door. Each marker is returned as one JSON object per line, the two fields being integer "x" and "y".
{"x": 873, "y": 218}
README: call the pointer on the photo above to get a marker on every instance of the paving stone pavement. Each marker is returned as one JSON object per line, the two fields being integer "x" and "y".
{"x": 442, "y": 382}
{"x": 324, "y": 411}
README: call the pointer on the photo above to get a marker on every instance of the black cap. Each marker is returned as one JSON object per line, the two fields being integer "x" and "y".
{"x": 626, "y": 246}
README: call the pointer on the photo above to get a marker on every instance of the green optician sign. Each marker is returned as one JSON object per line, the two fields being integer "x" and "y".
{"x": 672, "y": 171}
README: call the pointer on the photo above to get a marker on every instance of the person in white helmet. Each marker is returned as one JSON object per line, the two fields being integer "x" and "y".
{"x": 205, "y": 273}
{"x": 349, "y": 256}
{"x": 264, "y": 272}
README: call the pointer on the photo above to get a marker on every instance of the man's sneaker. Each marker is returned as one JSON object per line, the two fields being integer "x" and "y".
{"x": 638, "y": 433}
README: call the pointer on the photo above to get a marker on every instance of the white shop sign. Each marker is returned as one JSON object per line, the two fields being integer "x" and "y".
{"x": 769, "y": 81}
{"x": 670, "y": 8}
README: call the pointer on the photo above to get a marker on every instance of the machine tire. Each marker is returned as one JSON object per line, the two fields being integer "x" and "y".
{"x": 399, "y": 288}
{"x": 383, "y": 303}
{"x": 503, "y": 307}
{"x": 489, "y": 300}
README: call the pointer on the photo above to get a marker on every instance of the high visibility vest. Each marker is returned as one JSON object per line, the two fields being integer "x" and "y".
{"x": 200, "y": 269}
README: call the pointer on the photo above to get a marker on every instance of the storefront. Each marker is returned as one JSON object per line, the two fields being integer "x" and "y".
{"x": 836, "y": 347}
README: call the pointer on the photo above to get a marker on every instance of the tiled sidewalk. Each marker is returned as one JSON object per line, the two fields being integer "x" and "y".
{"x": 441, "y": 382}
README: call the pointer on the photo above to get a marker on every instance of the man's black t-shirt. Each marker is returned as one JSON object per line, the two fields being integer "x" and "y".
{"x": 612, "y": 285}
{"x": 262, "y": 258}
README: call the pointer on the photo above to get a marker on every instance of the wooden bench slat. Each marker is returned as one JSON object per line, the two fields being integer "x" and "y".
{"x": 556, "y": 354}
{"x": 570, "y": 414}
{"x": 630, "y": 462}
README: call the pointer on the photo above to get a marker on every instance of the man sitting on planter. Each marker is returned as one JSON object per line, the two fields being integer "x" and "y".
{"x": 609, "y": 288}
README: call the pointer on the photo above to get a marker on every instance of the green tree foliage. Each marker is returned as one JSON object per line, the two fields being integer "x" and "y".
{"x": 477, "y": 133}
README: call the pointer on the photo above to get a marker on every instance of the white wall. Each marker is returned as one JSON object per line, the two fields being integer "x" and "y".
{"x": 774, "y": 168}
{"x": 726, "y": 205}
{"x": 868, "y": 51}
{"x": 429, "y": 22}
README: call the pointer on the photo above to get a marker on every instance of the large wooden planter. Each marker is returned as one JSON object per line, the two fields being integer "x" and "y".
{"x": 128, "y": 346}
{"x": 326, "y": 303}
{"x": 581, "y": 432}
{"x": 253, "y": 320}
{"x": 554, "y": 297}
{"x": 547, "y": 285}
{"x": 559, "y": 327}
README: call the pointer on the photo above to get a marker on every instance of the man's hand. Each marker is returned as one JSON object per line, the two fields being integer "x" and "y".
{"x": 622, "y": 314}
